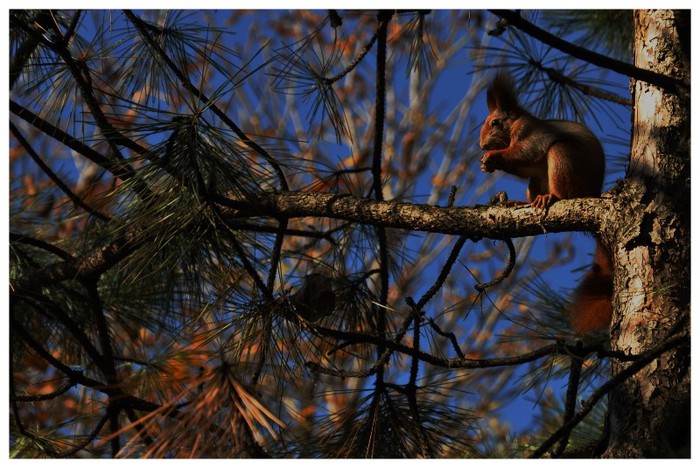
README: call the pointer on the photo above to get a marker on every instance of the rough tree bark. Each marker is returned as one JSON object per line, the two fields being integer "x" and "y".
{"x": 650, "y": 238}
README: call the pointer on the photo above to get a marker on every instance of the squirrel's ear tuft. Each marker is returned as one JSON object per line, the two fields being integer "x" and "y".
{"x": 501, "y": 94}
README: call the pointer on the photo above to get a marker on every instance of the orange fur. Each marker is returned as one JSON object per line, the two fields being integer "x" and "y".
{"x": 561, "y": 159}
{"x": 591, "y": 307}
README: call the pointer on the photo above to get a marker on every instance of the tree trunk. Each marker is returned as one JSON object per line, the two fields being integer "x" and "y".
{"x": 650, "y": 412}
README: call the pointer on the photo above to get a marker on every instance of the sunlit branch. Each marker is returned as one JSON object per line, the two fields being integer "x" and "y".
{"x": 495, "y": 222}
{"x": 481, "y": 221}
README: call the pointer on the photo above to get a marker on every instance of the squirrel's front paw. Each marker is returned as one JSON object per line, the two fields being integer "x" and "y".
{"x": 490, "y": 162}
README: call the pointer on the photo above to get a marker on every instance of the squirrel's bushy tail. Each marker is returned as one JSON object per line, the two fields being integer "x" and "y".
{"x": 591, "y": 307}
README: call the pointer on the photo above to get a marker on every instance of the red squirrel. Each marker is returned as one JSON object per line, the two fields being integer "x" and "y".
{"x": 562, "y": 159}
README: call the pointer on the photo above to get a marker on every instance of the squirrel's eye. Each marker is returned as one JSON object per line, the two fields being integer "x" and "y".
{"x": 496, "y": 123}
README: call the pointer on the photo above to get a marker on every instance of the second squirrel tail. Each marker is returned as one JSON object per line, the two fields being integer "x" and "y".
{"x": 591, "y": 307}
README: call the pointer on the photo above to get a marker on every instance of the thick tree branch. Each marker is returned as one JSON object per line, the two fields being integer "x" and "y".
{"x": 583, "y": 214}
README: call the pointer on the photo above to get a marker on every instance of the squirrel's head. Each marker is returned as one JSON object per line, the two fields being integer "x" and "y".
{"x": 503, "y": 111}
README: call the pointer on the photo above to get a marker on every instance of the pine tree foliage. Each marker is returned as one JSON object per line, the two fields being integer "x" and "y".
{"x": 157, "y": 309}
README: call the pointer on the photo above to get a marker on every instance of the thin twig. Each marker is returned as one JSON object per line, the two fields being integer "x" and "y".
{"x": 412, "y": 387}
{"x": 657, "y": 79}
{"x": 79, "y": 377}
{"x": 118, "y": 170}
{"x": 377, "y": 181}
{"x": 449, "y": 335}
{"x": 559, "y": 77}
{"x": 72, "y": 27}
{"x": 247, "y": 264}
{"x": 452, "y": 195}
{"x": 506, "y": 271}
{"x": 643, "y": 360}
{"x": 24, "y": 239}
{"x": 355, "y": 62}
{"x": 26, "y": 49}
{"x": 324, "y": 235}
{"x": 56, "y": 180}
{"x": 143, "y": 31}
{"x": 45, "y": 396}
{"x": 444, "y": 272}
{"x": 571, "y": 397}
{"x": 81, "y": 75}
{"x": 454, "y": 363}
{"x": 388, "y": 347}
